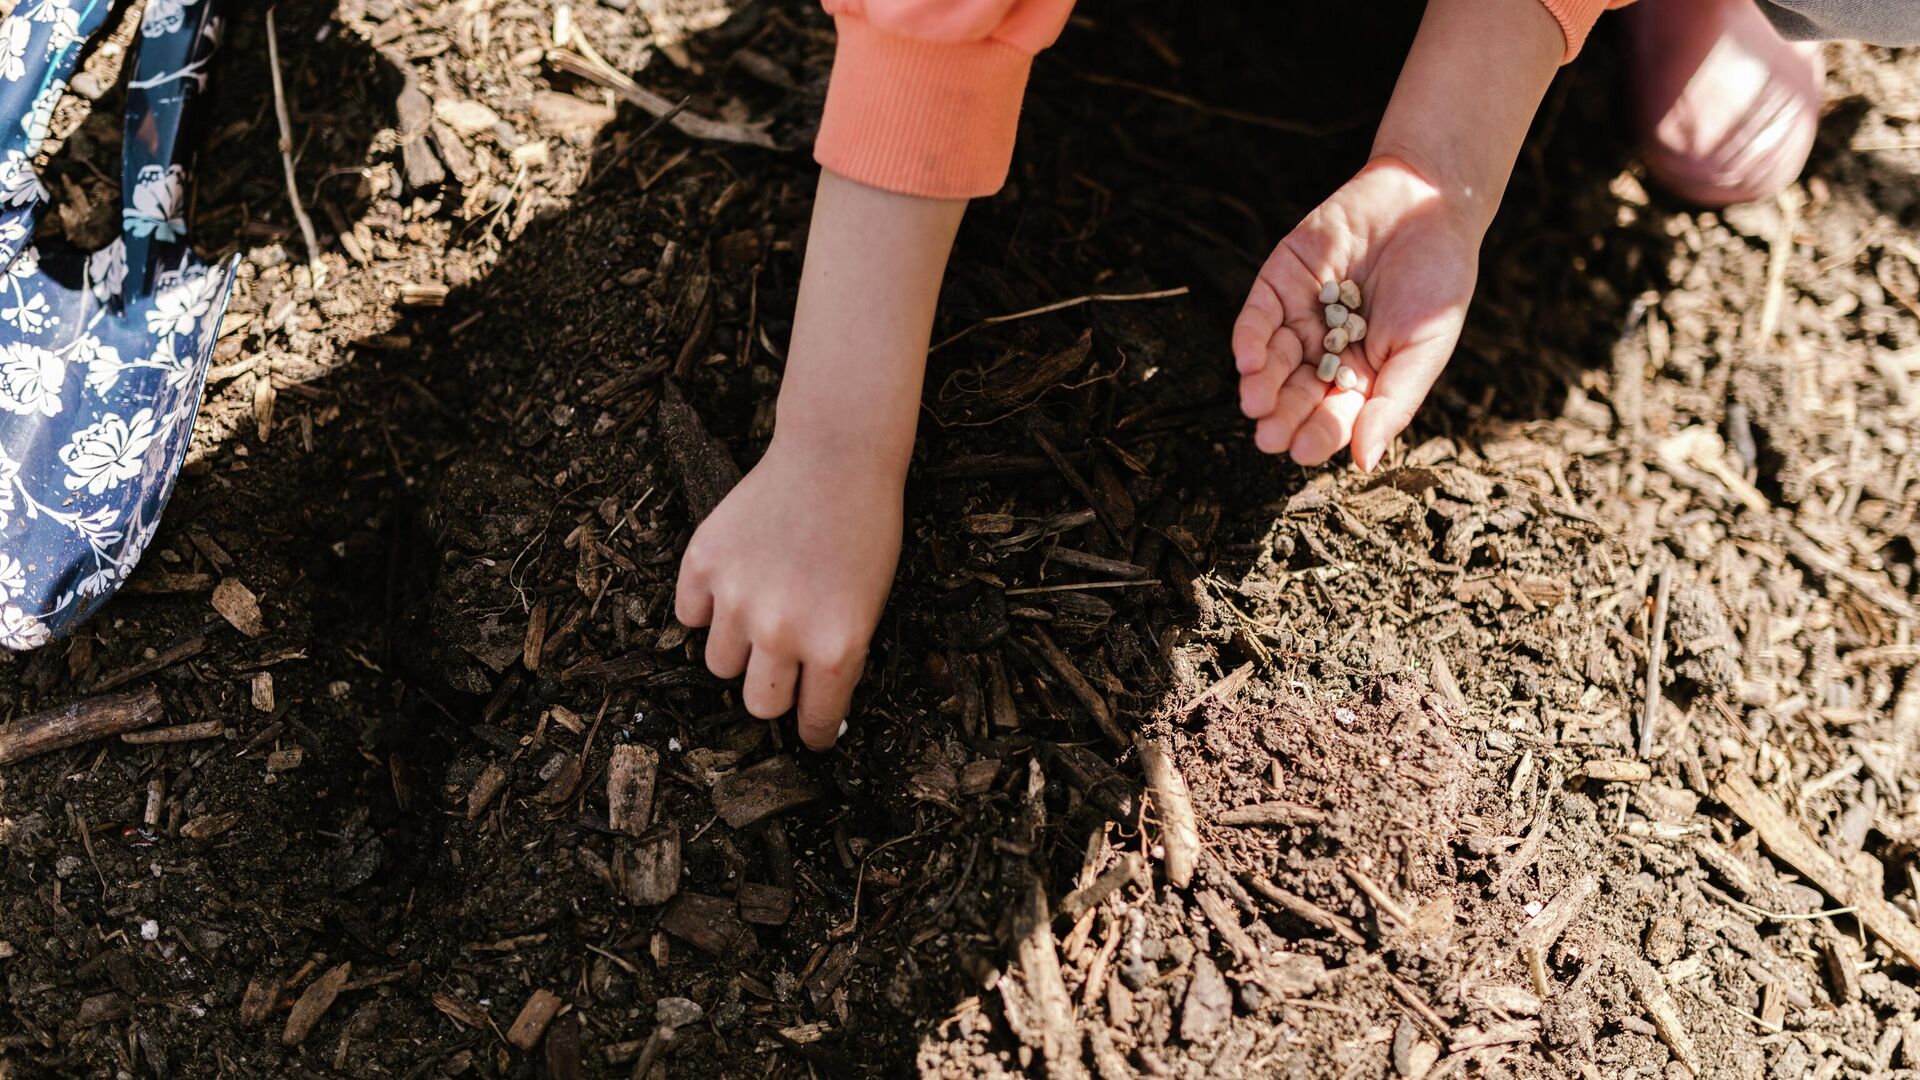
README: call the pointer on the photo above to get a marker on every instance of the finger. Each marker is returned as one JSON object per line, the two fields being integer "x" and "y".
{"x": 1258, "y": 390}
{"x": 826, "y": 696}
{"x": 727, "y": 645}
{"x": 1299, "y": 396}
{"x": 1253, "y": 332}
{"x": 1328, "y": 428}
{"x": 692, "y": 600}
{"x": 1398, "y": 392}
{"x": 767, "y": 690}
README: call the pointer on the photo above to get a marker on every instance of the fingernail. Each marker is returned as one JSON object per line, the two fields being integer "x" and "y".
{"x": 843, "y": 730}
{"x": 1373, "y": 457}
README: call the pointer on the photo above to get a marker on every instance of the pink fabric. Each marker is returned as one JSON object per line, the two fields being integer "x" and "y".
{"x": 925, "y": 95}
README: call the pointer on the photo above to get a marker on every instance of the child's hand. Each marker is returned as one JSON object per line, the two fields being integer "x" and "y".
{"x": 791, "y": 571}
{"x": 1414, "y": 257}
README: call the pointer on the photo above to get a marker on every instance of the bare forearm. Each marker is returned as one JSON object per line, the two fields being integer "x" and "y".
{"x": 874, "y": 262}
{"x": 1467, "y": 94}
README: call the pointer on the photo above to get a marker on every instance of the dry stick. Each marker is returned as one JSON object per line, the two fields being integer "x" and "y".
{"x": 1305, "y": 909}
{"x": 1179, "y": 832}
{"x": 286, "y": 145}
{"x": 202, "y": 729}
{"x": 1779, "y": 251}
{"x": 78, "y": 722}
{"x": 1061, "y": 305}
{"x": 1792, "y": 844}
{"x": 1077, "y": 684}
{"x": 587, "y": 63}
{"x": 1079, "y": 585}
{"x": 1656, "y": 655}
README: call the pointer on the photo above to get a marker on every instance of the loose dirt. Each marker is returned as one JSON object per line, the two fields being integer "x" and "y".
{"x": 456, "y": 468}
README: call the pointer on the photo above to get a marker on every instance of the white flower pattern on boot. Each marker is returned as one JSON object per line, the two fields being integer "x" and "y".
{"x": 108, "y": 454}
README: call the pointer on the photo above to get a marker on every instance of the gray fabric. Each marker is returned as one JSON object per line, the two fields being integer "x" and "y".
{"x": 1881, "y": 22}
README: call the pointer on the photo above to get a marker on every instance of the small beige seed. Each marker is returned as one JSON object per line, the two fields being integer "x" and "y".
{"x": 1346, "y": 378}
{"x": 1356, "y": 328}
{"x": 1337, "y": 315}
{"x": 1336, "y": 339}
{"x": 1329, "y": 364}
{"x": 1329, "y": 292}
{"x": 1349, "y": 294}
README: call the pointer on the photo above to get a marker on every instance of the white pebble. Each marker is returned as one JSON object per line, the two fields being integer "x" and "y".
{"x": 150, "y": 930}
{"x": 1328, "y": 365}
{"x": 1336, "y": 339}
{"x": 1356, "y": 327}
{"x": 1346, "y": 378}
{"x": 1349, "y": 294}
{"x": 1337, "y": 314}
{"x": 1329, "y": 292}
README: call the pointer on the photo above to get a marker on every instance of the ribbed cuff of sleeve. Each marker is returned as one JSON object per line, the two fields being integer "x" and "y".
{"x": 934, "y": 119}
{"x": 1576, "y": 19}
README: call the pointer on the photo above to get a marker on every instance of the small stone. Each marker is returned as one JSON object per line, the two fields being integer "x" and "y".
{"x": 676, "y": 1012}
{"x": 67, "y": 865}
{"x": 465, "y": 116}
{"x": 1356, "y": 327}
{"x": 1330, "y": 292}
{"x": 1337, "y": 315}
{"x": 1329, "y": 364}
{"x": 150, "y": 930}
{"x": 1349, "y": 294}
{"x": 1346, "y": 378}
{"x": 1336, "y": 339}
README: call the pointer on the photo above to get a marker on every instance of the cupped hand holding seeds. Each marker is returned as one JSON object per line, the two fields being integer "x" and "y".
{"x": 1413, "y": 259}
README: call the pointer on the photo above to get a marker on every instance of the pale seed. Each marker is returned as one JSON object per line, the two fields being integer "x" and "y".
{"x": 1349, "y": 294}
{"x": 1345, "y": 378}
{"x": 1328, "y": 365}
{"x": 1337, "y": 315}
{"x": 1336, "y": 339}
{"x": 1356, "y": 328}
{"x": 1329, "y": 292}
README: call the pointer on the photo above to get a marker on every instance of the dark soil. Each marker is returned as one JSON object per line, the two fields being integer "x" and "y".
{"x": 458, "y": 471}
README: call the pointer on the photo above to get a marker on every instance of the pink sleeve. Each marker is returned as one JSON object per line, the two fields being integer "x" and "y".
{"x": 925, "y": 94}
{"x": 1576, "y": 19}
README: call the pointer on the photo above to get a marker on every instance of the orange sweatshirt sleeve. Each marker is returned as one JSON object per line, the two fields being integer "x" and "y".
{"x": 925, "y": 94}
{"x": 1576, "y": 19}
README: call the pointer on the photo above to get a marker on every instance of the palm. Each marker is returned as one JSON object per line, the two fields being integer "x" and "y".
{"x": 1391, "y": 233}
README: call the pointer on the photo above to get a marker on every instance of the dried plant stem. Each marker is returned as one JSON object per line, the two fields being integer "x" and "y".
{"x": 286, "y": 145}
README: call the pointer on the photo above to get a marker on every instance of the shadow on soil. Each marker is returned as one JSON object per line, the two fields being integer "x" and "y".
{"x": 502, "y": 455}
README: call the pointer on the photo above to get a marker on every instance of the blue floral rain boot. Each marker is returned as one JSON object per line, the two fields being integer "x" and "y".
{"x": 103, "y": 355}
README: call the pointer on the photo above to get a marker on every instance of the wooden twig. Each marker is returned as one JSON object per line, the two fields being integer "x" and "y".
{"x": 1270, "y": 813}
{"x": 1059, "y": 1036}
{"x": 1306, "y": 910}
{"x": 204, "y": 729}
{"x": 1779, "y": 251}
{"x": 1791, "y": 843}
{"x": 1079, "y": 586}
{"x": 1061, "y": 305}
{"x": 588, "y": 64}
{"x": 1077, "y": 684}
{"x": 1656, "y": 656}
{"x": 1382, "y": 902}
{"x": 78, "y": 722}
{"x": 1179, "y": 833}
{"x": 286, "y": 146}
